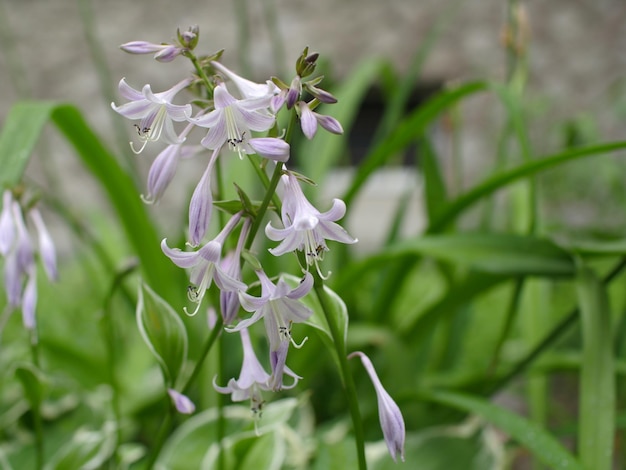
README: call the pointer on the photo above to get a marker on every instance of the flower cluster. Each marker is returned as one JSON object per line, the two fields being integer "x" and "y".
{"x": 20, "y": 251}
{"x": 240, "y": 118}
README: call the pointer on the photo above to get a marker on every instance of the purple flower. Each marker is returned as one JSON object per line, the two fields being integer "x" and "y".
{"x": 201, "y": 205}
{"x": 310, "y": 119}
{"x": 164, "y": 166}
{"x": 229, "y": 300}
{"x": 7, "y": 226}
{"x": 232, "y": 122}
{"x": 155, "y": 112}
{"x": 279, "y": 307}
{"x": 253, "y": 378}
{"x": 391, "y": 420}
{"x": 205, "y": 266}
{"x": 247, "y": 88}
{"x": 162, "y": 52}
{"x": 47, "y": 251}
{"x": 182, "y": 403}
{"x": 305, "y": 228}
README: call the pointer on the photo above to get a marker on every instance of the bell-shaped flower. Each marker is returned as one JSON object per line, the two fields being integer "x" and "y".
{"x": 391, "y": 420}
{"x": 155, "y": 111}
{"x": 164, "y": 167}
{"x": 231, "y": 264}
{"x": 247, "y": 88}
{"x": 162, "y": 52}
{"x": 20, "y": 260}
{"x": 310, "y": 119}
{"x": 7, "y": 225}
{"x": 232, "y": 122}
{"x": 201, "y": 205}
{"x": 205, "y": 266}
{"x": 305, "y": 228}
{"x": 253, "y": 378}
{"x": 279, "y": 307}
{"x": 182, "y": 403}
{"x": 46, "y": 248}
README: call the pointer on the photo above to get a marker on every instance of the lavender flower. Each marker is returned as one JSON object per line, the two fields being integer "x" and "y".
{"x": 279, "y": 307}
{"x": 310, "y": 119}
{"x": 232, "y": 122}
{"x": 305, "y": 228}
{"x": 162, "y": 52}
{"x": 205, "y": 266}
{"x": 155, "y": 111}
{"x": 247, "y": 88}
{"x": 252, "y": 379}
{"x": 391, "y": 420}
{"x": 182, "y": 403}
{"x": 7, "y": 226}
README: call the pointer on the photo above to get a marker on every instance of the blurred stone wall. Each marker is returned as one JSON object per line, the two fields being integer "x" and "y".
{"x": 577, "y": 51}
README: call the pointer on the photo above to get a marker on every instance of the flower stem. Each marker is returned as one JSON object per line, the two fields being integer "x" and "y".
{"x": 36, "y": 407}
{"x": 201, "y": 74}
{"x": 271, "y": 188}
{"x": 346, "y": 376}
{"x": 217, "y": 329}
{"x": 164, "y": 431}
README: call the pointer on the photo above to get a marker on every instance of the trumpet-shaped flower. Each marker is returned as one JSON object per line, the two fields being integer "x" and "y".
{"x": 391, "y": 420}
{"x": 247, "y": 88}
{"x": 7, "y": 226}
{"x": 205, "y": 266}
{"x": 279, "y": 306}
{"x": 305, "y": 228}
{"x": 232, "y": 122}
{"x": 155, "y": 111}
{"x": 253, "y": 378}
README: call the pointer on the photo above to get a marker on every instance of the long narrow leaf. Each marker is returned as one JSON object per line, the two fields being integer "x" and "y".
{"x": 541, "y": 443}
{"x": 407, "y": 131}
{"x": 597, "y": 376}
{"x": 502, "y": 179}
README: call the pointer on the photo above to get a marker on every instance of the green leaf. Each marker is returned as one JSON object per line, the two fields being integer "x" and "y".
{"x": 500, "y": 180}
{"x": 267, "y": 452}
{"x": 435, "y": 192}
{"x": 22, "y": 128}
{"x": 506, "y": 254}
{"x": 87, "y": 449}
{"x": 596, "y": 425}
{"x": 32, "y": 381}
{"x": 19, "y": 136}
{"x": 163, "y": 331}
{"x": 538, "y": 441}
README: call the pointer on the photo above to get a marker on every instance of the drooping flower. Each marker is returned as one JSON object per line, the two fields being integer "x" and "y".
{"x": 7, "y": 226}
{"x": 232, "y": 122}
{"x": 310, "y": 119}
{"x": 305, "y": 228}
{"x": 205, "y": 266}
{"x": 46, "y": 248}
{"x": 253, "y": 378}
{"x": 155, "y": 111}
{"x": 231, "y": 264}
{"x": 201, "y": 204}
{"x": 391, "y": 420}
{"x": 182, "y": 403}
{"x": 279, "y": 307}
{"x": 164, "y": 166}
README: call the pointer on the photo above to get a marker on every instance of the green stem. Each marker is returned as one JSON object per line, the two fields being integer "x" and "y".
{"x": 215, "y": 332}
{"x": 36, "y": 407}
{"x": 346, "y": 376}
{"x": 271, "y": 188}
{"x": 164, "y": 431}
{"x": 200, "y": 71}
